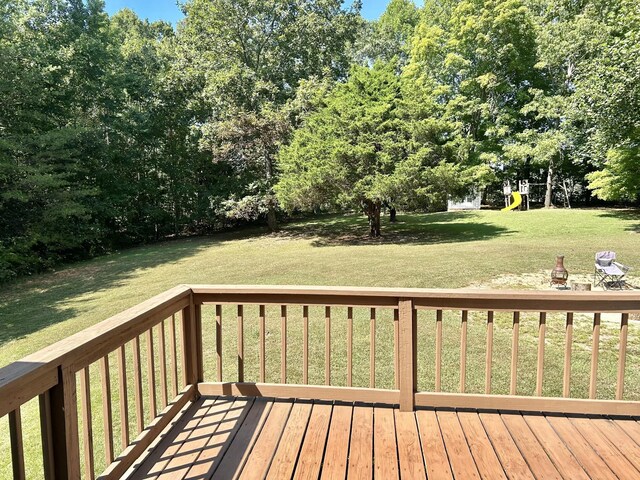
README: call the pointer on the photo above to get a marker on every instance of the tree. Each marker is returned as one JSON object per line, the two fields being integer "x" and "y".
{"x": 252, "y": 56}
{"x": 608, "y": 99}
{"x": 344, "y": 155}
{"x": 52, "y": 65}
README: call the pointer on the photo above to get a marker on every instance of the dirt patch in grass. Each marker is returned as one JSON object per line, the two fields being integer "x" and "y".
{"x": 530, "y": 281}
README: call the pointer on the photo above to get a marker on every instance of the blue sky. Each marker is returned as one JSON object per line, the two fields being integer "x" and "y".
{"x": 168, "y": 9}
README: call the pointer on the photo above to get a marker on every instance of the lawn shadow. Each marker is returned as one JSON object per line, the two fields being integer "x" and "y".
{"x": 30, "y": 304}
{"x": 631, "y": 215}
{"x": 426, "y": 229}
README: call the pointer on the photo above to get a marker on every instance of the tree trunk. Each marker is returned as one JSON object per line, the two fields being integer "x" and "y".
{"x": 272, "y": 220}
{"x": 392, "y": 215}
{"x": 547, "y": 196}
{"x": 373, "y": 213}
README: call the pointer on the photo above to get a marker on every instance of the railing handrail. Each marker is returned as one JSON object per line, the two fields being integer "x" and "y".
{"x": 481, "y": 299}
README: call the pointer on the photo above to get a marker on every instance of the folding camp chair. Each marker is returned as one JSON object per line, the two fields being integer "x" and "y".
{"x": 608, "y": 272}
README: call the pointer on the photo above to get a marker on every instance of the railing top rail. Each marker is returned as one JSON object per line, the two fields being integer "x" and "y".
{"x": 523, "y": 300}
{"x": 412, "y": 292}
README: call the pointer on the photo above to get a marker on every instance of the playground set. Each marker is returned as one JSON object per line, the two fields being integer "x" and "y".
{"x": 520, "y": 196}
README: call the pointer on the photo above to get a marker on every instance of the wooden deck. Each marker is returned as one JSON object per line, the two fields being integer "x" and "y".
{"x": 226, "y": 437}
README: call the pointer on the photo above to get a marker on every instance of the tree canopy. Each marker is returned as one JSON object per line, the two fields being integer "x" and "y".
{"x": 116, "y": 131}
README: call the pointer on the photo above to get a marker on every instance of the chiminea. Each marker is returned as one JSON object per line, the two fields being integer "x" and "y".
{"x": 559, "y": 274}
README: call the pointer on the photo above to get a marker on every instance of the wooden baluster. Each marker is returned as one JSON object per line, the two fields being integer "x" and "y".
{"x": 622, "y": 359}
{"x": 151, "y": 376}
{"x": 283, "y": 344}
{"x": 219, "y": 341}
{"x": 107, "y": 415}
{"x": 349, "y": 346}
{"x": 396, "y": 348}
{"x": 327, "y": 345}
{"x": 595, "y": 350}
{"x": 568, "y": 344}
{"x": 438, "y": 350}
{"x": 137, "y": 384}
{"x": 124, "y": 404}
{"x": 372, "y": 349}
{"x": 240, "y": 343}
{"x": 463, "y": 350}
{"x": 163, "y": 365}
{"x": 515, "y": 342}
{"x": 489, "y": 357}
{"x": 17, "y": 448}
{"x": 305, "y": 345}
{"x": 542, "y": 329}
{"x": 47, "y": 435}
{"x": 407, "y": 322}
{"x": 173, "y": 356}
{"x": 87, "y": 425}
{"x": 263, "y": 353}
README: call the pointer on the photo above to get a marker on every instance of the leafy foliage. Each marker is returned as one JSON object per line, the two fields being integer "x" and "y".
{"x": 117, "y": 131}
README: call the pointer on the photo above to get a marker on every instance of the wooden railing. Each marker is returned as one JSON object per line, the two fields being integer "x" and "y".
{"x": 107, "y": 393}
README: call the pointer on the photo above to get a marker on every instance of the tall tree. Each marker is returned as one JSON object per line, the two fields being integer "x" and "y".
{"x": 252, "y": 56}
{"x": 346, "y": 152}
{"x": 608, "y": 98}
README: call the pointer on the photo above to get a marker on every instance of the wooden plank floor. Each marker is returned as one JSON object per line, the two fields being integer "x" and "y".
{"x": 229, "y": 438}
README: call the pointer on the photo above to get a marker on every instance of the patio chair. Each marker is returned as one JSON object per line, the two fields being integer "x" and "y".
{"x": 608, "y": 272}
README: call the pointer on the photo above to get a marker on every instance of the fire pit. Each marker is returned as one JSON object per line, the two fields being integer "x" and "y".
{"x": 559, "y": 274}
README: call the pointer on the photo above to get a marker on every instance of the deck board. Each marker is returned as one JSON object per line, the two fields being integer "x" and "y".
{"x": 284, "y": 460}
{"x": 231, "y": 438}
{"x": 481, "y": 448}
{"x": 462, "y": 462}
{"x": 361, "y": 447}
{"x": 435, "y": 454}
{"x": 558, "y": 452}
{"x": 510, "y": 457}
{"x": 159, "y": 459}
{"x": 409, "y": 452}
{"x": 231, "y": 464}
{"x": 607, "y": 450}
{"x": 631, "y": 427}
{"x": 337, "y": 448}
{"x": 535, "y": 455}
{"x": 265, "y": 446}
{"x": 211, "y": 455}
{"x": 312, "y": 453}
{"x": 187, "y": 454}
{"x": 385, "y": 451}
{"x": 588, "y": 458}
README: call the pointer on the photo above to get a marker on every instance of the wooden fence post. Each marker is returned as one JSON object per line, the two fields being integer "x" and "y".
{"x": 191, "y": 330}
{"x": 407, "y": 347}
{"x": 59, "y": 410}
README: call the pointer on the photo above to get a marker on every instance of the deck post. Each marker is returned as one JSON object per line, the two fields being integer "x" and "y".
{"x": 407, "y": 347}
{"x": 191, "y": 330}
{"x": 62, "y": 455}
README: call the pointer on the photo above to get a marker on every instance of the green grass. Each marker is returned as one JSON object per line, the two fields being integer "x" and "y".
{"x": 447, "y": 250}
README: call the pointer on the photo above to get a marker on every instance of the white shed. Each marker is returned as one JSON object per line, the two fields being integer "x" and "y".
{"x": 470, "y": 202}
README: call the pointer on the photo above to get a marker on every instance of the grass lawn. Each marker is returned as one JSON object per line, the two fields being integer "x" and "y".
{"x": 444, "y": 250}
